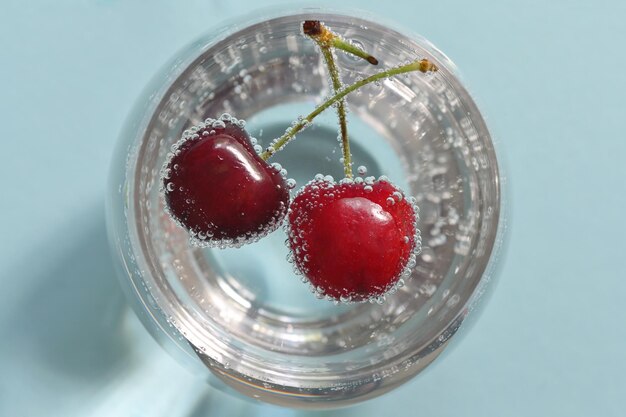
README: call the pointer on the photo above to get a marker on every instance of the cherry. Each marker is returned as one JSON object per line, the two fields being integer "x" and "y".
{"x": 218, "y": 188}
{"x": 354, "y": 240}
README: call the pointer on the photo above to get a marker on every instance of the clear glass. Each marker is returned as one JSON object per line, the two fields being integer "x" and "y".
{"x": 242, "y": 313}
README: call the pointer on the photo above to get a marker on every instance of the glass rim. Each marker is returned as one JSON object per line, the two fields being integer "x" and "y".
{"x": 241, "y": 381}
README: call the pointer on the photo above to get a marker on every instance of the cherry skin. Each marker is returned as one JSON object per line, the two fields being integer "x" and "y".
{"x": 353, "y": 240}
{"x": 218, "y": 188}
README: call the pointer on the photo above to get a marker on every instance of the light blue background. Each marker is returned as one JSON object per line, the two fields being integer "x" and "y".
{"x": 550, "y": 77}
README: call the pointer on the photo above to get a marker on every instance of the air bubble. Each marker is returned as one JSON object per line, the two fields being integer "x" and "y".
{"x": 345, "y": 298}
{"x": 258, "y": 149}
{"x": 170, "y": 186}
{"x": 454, "y": 300}
{"x": 368, "y": 189}
{"x": 291, "y": 183}
{"x": 390, "y": 201}
{"x": 377, "y": 300}
{"x": 362, "y": 170}
{"x": 218, "y": 124}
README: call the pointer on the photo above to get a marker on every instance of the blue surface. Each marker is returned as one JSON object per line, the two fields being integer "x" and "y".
{"x": 548, "y": 75}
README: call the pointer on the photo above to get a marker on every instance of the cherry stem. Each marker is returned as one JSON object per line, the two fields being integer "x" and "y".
{"x": 327, "y": 53}
{"x": 325, "y": 37}
{"x": 339, "y": 43}
{"x": 341, "y": 112}
{"x": 422, "y": 65}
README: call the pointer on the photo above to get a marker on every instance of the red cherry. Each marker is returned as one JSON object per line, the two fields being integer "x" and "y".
{"x": 218, "y": 188}
{"x": 354, "y": 240}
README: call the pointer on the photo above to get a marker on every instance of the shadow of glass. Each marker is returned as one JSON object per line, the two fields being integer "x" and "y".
{"x": 70, "y": 320}
{"x": 67, "y": 346}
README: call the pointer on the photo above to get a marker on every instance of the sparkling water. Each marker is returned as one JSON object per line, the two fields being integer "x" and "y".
{"x": 243, "y": 312}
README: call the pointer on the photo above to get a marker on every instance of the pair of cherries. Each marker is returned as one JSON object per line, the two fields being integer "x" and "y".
{"x": 353, "y": 239}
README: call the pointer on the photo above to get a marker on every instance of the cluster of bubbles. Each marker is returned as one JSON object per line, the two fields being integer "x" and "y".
{"x": 207, "y": 240}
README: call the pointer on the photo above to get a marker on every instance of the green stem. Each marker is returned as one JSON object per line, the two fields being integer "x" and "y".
{"x": 325, "y": 37}
{"x": 421, "y": 65}
{"x": 339, "y": 43}
{"x": 341, "y": 110}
